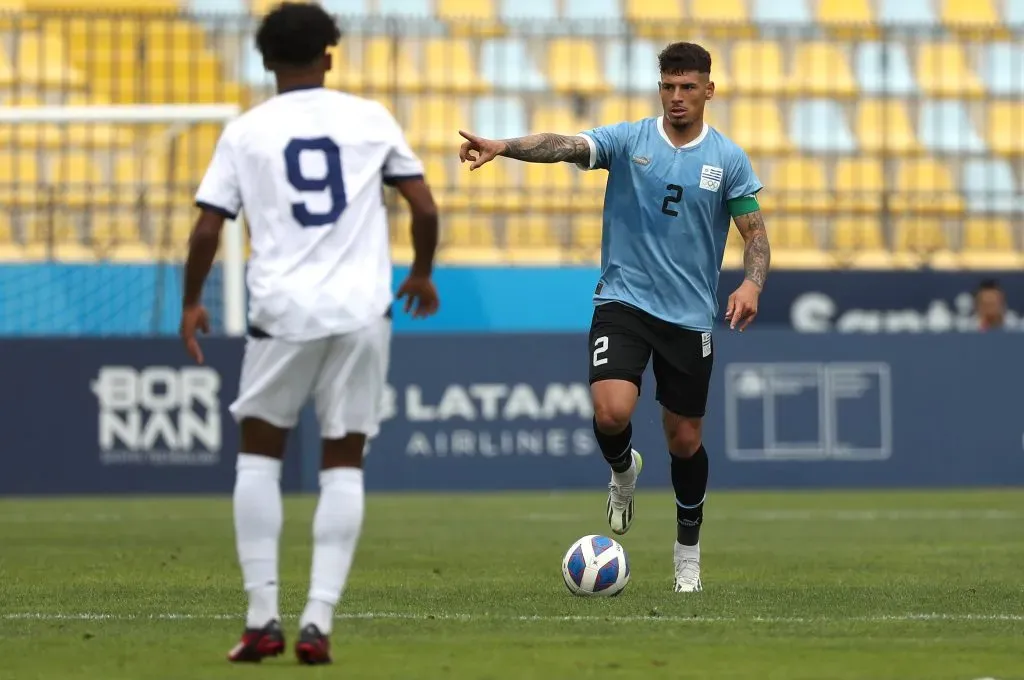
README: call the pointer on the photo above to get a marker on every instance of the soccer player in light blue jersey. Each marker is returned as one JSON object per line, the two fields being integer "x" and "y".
{"x": 673, "y": 185}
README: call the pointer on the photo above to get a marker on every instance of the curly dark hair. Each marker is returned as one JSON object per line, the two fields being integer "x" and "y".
{"x": 681, "y": 57}
{"x": 296, "y": 34}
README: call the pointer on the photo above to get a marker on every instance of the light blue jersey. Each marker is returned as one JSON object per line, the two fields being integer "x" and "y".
{"x": 665, "y": 218}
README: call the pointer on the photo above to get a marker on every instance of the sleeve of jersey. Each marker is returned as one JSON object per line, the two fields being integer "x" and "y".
{"x": 742, "y": 186}
{"x": 220, "y": 191}
{"x": 604, "y": 143}
{"x": 401, "y": 163}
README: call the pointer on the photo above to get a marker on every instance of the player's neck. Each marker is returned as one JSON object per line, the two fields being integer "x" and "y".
{"x": 681, "y": 136}
{"x": 292, "y": 83}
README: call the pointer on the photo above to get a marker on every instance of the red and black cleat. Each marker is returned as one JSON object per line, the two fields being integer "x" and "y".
{"x": 258, "y": 643}
{"x": 313, "y": 647}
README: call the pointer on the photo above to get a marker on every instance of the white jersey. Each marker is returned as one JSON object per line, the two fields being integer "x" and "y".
{"x": 307, "y": 168}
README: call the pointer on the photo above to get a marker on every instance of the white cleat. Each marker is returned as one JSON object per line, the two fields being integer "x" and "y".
{"x": 687, "y": 572}
{"x": 620, "y": 499}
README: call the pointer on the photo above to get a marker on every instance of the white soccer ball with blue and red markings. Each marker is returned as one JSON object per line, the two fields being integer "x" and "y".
{"x": 596, "y": 565}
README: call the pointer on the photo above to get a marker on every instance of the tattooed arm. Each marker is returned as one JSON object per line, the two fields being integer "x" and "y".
{"x": 547, "y": 148}
{"x": 756, "y": 251}
{"x": 541, "y": 148}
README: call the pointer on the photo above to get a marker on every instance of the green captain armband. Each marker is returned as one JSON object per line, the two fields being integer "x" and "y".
{"x": 744, "y": 205}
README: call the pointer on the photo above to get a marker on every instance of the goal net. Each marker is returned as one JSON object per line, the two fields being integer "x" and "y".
{"x": 97, "y": 207}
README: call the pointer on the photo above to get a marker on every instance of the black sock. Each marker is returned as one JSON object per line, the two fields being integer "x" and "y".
{"x": 616, "y": 447}
{"x": 690, "y": 481}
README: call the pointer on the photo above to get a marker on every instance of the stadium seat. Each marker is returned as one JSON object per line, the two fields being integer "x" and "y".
{"x": 990, "y": 187}
{"x": 450, "y": 67}
{"x": 11, "y": 249}
{"x": 105, "y": 6}
{"x": 118, "y": 237}
{"x": 756, "y": 67}
{"x": 217, "y": 8}
{"x": 499, "y": 117}
{"x": 506, "y": 63}
{"x": 595, "y": 17}
{"x": 43, "y": 62}
{"x": 884, "y": 68}
{"x": 945, "y": 126}
{"x": 19, "y": 178}
{"x": 794, "y": 245}
{"x": 612, "y": 110}
{"x": 434, "y": 123}
{"x": 491, "y": 187}
{"x": 585, "y": 233}
{"x": 798, "y": 186}
{"x": 820, "y": 125}
{"x": 859, "y": 185}
{"x": 572, "y": 67}
{"x": 529, "y": 15}
{"x": 921, "y": 235}
{"x": 884, "y": 126}
{"x": 942, "y": 71}
{"x": 781, "y": 13}
{"x": 723, "y": 18}
{"x": 925, "y": 186}
{"x": 1014, "y": 15}
{"x": 1005, "y": 127}
{"x": 989, "y": 243}
{"x": 1003, "y": 69}
{"x": 821, "y": 69}
{"x": 558, "y": 119}
{"x": 549, "y": 186}
{"x": 860, "y": 242}
{"x": 847, "y": 18}
{"x": 974, "y": 16}
{"x": 661, "y": 19}
{"x": 907, "y": 14}
{"x": 383, "y": 65}
{"x": 471, "y": 17}
{"x": 468, "y": 239}
{"x": 756, "y": 125}
{"x": 412, "y": 9}
{"x": 632, "y": 66}
{"x": 531, "y": 239}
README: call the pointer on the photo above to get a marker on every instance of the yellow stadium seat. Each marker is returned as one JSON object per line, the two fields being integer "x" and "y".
{"x": 847, "y": 18}
{"x": 549, "y": 186}
{"x": 118, "y": 237}
{"x": 794, "y": 245}
{"x": 799, "y": 186}
{"x": 920, "y": 235}
{"x": 973, "y": 16}
{"x": 19, "y": 179}
{"x": 449, "y": 67}
{"x": 662, "y": 19}
{"x": 757, "y": 67}
{"x": 108, "y": 6}
{"x": 613, "y": 110}
{"x": 79, "y": 181}
{"x": 470, "y": 17}
{"x": 925, "y": 186}
{"x": 1005, "y": 129}
{"x": 434, "y": 123}
{"x": 10, "y": 249}
{"x": 532, "y": 239}
{"x": 43, "y": 62}
{"x": 585, "y": 233}
{"x": 860, "y": 242}
{"x": 756, "y": 125}
{"x": 490, "y": 188}
{"x": 723, "y": 18}
{"x": 942, "y": 71}
{"x": 573, "y": 67}
{"x": 558, "y": 119}
{"x": 988, "y": 243}
{"x": 384, "y": 66}
{"x": 468, "y": 239}
{"x": 6, "y": 71}
{"x": 822, "y": 69}
{"x": 885, "y": 126}
{"x": 859, "y": 185}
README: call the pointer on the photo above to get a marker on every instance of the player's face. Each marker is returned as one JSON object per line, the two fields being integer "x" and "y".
{"x": 991, "y": 305}
{"x": 683, "y": 96}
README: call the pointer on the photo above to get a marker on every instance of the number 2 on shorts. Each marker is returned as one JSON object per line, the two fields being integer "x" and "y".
{"x": 600, "y": 347}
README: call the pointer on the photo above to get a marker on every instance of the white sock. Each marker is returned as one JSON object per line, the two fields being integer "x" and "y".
{"x": 688, "y": 552}
{"x": 336, "y": 526}
{"x": 629, "y": 476}
{"x": 258, "y": 518}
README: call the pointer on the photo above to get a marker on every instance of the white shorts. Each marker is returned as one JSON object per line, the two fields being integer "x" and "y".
{"x": 345, "y": 375}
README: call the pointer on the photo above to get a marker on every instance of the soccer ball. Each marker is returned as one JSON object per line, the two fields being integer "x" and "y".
{"x": 595, "y": 565}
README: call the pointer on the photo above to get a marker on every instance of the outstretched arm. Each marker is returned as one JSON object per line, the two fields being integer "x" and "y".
{"x": 545, "y": 147}
{"x": 757, "y": 252}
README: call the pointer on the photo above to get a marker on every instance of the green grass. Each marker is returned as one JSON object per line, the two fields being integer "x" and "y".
{"x": 836, "y": 586}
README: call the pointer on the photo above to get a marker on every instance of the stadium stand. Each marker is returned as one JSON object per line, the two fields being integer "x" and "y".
{"x": 880, "y": 127}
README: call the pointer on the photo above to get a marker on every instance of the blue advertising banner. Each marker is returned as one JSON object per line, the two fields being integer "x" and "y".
{"x": 497, "y": 412}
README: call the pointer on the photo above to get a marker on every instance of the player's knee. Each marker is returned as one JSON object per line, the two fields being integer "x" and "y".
{"x": 611, "y": 418}
{"x": 684, "y": 438}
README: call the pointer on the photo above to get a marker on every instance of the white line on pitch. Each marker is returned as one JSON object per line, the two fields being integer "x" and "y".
{"x": 410, "y": 616}
{"x": 823, "y": 515}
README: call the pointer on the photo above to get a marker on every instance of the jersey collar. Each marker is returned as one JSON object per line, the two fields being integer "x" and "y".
{"x": 688, "y": 145}
{"x": 301, "y": 87}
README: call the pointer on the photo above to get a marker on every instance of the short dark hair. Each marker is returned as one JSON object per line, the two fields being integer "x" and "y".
{"x": 296, "y": 34}
{"x": 987, "y": 284}
{"x": 681, "y": 57}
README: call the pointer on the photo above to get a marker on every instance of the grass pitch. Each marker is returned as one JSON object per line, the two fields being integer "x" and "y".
{"x": 797, "y": 586}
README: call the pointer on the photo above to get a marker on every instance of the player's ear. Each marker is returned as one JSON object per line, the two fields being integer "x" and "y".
{"x": 328, "y": 61}
{"x": 711, "y": 90}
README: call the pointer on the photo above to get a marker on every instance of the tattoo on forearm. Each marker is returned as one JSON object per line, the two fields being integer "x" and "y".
{"x": 548, "y": 148}
{"x": 757, "y": 253}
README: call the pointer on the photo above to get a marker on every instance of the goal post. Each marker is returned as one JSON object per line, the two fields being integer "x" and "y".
{"x": 98, "y": 203}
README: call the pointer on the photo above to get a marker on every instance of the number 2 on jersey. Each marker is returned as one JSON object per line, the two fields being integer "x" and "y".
{"x": 332, "y": 180}
{"x": 674, "y": 197}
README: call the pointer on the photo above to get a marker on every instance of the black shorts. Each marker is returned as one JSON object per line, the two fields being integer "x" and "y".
{"x": 622, "y": 339}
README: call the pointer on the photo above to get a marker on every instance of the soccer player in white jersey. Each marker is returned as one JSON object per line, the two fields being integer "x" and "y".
{"x": 307, "y": 168}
